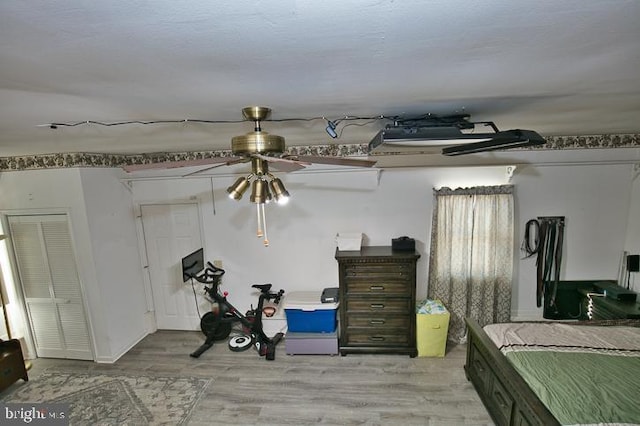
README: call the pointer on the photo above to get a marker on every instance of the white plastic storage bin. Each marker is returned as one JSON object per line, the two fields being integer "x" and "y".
{"x": 307, "y": 314}
{"x": 349, "y": 241}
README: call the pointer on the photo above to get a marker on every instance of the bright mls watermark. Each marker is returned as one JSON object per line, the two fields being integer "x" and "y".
{"x": 39, "y": 414}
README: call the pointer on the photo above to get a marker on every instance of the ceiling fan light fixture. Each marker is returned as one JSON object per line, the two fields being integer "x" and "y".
{"x": 269, "y": 196}
{"x": 257, "y": 142}
{"x": 239, "y": 187}
{"x": 259, "y": 192}
{"x": 261, "y": 148}
{"x": 256, "y": 113}
{"x": 279, "y": 191}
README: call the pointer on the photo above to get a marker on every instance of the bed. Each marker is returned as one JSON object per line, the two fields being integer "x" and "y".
{"x": 557, "y": 373}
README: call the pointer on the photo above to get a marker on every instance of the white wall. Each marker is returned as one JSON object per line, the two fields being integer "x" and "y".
{"x": 111, "y": 219}
{"x": 61, "y": 190}
{"x": 596, "y": 200}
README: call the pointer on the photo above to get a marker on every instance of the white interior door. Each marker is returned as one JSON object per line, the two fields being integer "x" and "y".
{"x": 50, "y": 285}
{"x": 172, "y": 231}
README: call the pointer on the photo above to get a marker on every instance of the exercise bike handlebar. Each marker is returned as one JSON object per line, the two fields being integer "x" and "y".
{"x": 212, "y": 274}
{"x": 276, "y": 296}
{"x": 213, "y": 271}
{"x": 213, "y": 268}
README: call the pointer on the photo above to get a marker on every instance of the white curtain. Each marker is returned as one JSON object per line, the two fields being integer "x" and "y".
{"x": 471, "y": 259}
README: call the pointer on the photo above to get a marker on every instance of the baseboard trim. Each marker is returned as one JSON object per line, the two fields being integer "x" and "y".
{"x": 122, "y": 351}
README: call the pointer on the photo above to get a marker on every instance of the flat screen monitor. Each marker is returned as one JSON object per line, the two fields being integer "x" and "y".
{"x": 192, "y": 264}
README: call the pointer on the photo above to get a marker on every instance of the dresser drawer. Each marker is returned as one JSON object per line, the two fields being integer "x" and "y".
{"x": 501, "y": 400}
{"x": 379, "y": 321}
{"x": 381, "y": 306}
{"x": 478, "y": 367}
{"x": 380, "y": 337}
{"x": 363, "y": 286}
{"x": 385, "y": 269}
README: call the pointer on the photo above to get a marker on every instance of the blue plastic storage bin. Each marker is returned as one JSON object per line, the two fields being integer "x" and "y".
{"x": 307, "y": 314}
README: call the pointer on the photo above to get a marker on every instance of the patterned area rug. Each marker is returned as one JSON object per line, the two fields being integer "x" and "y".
{"x": 115, "y": 400}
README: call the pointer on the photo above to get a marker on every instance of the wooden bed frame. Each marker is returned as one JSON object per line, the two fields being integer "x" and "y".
{"x": 508, "y": 398}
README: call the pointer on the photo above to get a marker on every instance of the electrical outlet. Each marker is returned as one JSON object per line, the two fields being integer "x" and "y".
{"x": 217, "y": 263}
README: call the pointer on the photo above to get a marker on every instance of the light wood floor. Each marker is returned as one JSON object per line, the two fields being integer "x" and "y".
{"x": 304, "y": 389}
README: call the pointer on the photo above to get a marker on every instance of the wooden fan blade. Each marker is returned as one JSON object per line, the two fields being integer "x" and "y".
{"x": 337, "y": 161}
{"x": 284, "y": 164}
{"x": 228, "y": 163}
{"x": 174, "y": 164}
{"x": 293, "y": 160}
{"x": 287, "y": 166}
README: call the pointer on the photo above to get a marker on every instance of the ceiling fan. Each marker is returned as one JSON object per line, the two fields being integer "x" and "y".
{"x": 259, "y": 148}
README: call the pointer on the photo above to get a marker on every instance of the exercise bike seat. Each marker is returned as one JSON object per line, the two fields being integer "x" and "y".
{"x": 262, "y": 287}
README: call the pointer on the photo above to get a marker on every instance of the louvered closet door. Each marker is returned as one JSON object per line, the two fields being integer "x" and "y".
{"x": 50, "y": 285}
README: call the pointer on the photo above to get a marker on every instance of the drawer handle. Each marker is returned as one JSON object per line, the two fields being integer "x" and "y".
{"x": 377, "y": 288}
{"x": 501, "y": 402}
{"x": 377, "y": 306}
{"x": 376, "y": 338}
{"x": 479, "y": 366}
{"x": 376, "y": 322}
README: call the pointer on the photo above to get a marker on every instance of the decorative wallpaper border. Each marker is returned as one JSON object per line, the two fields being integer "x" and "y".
{"x": 592, "y": 141}
{"x": 86, "y": 159}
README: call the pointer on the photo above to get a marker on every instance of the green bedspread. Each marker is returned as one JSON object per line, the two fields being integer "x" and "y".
{"x": 599, "y": 388}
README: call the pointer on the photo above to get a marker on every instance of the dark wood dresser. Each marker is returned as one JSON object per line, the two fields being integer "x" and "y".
{"x": 377, "y": 301}
{"x": 599, "y": 307}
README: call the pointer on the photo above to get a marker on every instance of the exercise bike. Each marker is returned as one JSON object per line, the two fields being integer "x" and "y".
{"x": 217, "y": 325}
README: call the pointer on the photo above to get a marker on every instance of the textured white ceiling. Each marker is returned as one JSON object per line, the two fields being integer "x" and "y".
{"x": 566, "y": 67}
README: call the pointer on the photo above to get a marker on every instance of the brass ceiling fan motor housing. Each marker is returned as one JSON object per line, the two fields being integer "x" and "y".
{"x": 257, "y": 142}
